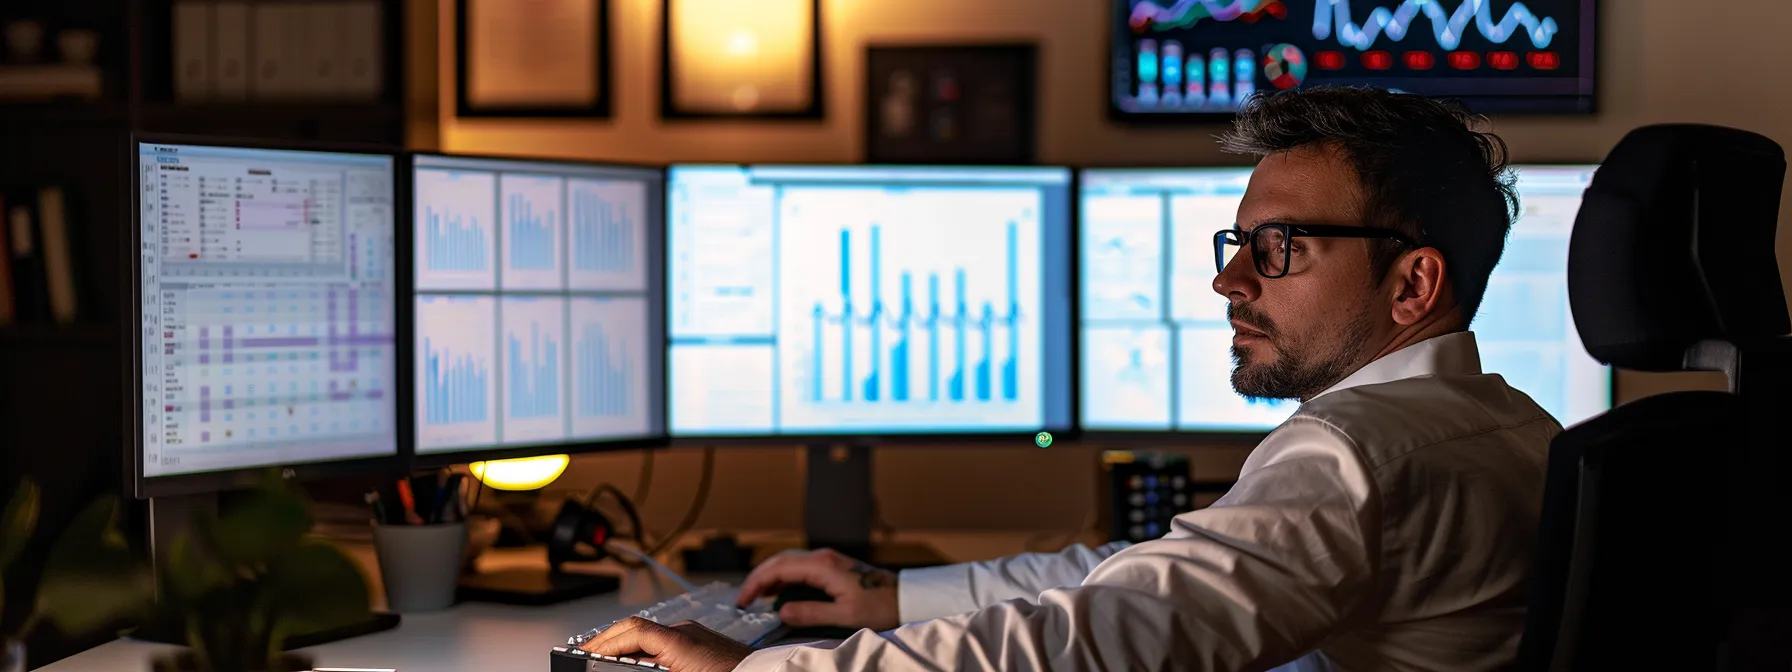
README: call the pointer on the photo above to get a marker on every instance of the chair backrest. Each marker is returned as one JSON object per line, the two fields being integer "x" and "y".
{"x": 1650, "y": 551}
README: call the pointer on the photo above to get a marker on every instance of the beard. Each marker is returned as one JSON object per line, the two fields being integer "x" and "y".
{"x": 1301, "y": 367}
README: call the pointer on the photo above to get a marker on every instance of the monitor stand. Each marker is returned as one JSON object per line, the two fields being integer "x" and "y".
{"x": 172, "y": 517}
{"x": 839, "y": 510}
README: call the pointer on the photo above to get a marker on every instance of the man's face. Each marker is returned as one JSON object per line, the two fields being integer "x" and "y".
{"x": 1296, "y": 335}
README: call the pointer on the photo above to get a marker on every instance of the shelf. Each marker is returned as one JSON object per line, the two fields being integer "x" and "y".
{"x": 273, "y": 112}
{"x": 63, "y": 335}
{"x": 61, "y": 113}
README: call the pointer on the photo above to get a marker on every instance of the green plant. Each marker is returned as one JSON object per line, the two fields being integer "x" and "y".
{"x": 91, "y": 578}
{"x": 245, "y": 580}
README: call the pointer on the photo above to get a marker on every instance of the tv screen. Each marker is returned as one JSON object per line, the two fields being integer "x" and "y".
{"x": 1200, "y": 59}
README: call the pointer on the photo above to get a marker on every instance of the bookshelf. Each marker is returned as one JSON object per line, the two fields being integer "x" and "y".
{"x": 62, "y": 382}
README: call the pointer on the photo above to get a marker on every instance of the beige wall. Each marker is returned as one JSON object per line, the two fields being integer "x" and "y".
{"x": 1659, "y": 61}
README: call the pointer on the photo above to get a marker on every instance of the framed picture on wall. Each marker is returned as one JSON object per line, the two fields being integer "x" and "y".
{"x": 741, "y": 59}
{"x": 950, "y": 103}
{"x": 532, "y": 58}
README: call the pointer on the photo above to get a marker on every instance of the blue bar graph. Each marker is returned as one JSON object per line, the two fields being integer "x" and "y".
{"x": 453, "y": 245}
{"x": 534, "y": 376}
{"x": 897, "y": 386}
{"x": 456, "y": 388}
{"x": 603, "y": 376}
{"x": 603, "y": 234}
{"x": 531, "y": 236}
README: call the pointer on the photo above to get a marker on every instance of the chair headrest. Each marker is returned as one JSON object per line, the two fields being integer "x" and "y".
{"x": 1674, "y": 245}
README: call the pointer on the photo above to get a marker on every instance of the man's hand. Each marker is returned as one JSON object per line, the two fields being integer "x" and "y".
{"x": 683, "y": 647}
{"x": 864, "y": 596}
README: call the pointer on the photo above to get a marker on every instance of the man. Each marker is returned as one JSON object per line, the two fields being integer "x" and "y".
{"x": 1387, "y": 525}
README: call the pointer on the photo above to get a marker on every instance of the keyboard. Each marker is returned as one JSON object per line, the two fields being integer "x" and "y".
{"x": 711, "y": 605}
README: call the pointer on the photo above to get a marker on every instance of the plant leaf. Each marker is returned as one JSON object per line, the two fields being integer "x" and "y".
{"x": 18, "y": 522}
{"x": 91, "y": 578}
{"x": 260, "y": 529}
{"x": 316, "y": 587}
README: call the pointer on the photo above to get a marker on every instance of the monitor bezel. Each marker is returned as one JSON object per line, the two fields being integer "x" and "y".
{"x": 1071, "y": 430}
{"x": 1589, "y": 54}
{"x": 1238, "y": 437}
{"x": 139, "y": 486}
{"x": 440, "y": 459}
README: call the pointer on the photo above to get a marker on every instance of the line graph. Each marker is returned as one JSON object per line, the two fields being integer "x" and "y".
{"x": 1186, "y": 13}
{"x": 1446, "y": 27}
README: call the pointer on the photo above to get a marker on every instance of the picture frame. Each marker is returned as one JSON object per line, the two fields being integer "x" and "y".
{"x": 951, "y": 103}
{"x": 802, "y": 80}
{"x": 552, "y": 62}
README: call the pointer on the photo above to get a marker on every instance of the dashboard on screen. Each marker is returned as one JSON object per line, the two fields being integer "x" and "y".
{"x": 266, "y": 293}
{"x": 1198, "y": 58}
{"x": 825, "y": 300}
{"x": 1156, "y": 346}
{"x": 537, "y": 310}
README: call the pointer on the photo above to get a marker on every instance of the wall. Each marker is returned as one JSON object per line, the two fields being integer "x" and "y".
{"x": 1659, "y": 60}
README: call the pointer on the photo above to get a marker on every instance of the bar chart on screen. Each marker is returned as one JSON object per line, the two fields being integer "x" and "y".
{"x": 456, "y": 375}
{"x": 608, "y": 249}
{"x": 533, "y": 348}
{"x": 891, "y": 312}
{"x": 532, "y": 231}
{"x": 610, "y": 395}
{"x": 456, "y": 211}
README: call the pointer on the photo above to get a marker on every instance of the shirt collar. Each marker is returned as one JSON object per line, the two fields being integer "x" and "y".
{"x": 1449, "y": 354}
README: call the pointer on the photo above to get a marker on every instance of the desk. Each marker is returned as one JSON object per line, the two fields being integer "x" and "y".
{"x": 476, "y": 636}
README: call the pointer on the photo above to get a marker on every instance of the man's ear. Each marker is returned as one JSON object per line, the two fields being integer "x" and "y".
{"x": 1420, "y": 286}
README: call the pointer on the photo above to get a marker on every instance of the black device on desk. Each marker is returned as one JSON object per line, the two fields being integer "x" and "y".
{"x": 538, "y": 306}
{"x": 1142, "y": 491}
{"x": 261, "y": 332}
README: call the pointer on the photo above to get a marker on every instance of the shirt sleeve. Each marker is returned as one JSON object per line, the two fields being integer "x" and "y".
{"x": 1256, "y": 580}
{"x": 934, "y": 592}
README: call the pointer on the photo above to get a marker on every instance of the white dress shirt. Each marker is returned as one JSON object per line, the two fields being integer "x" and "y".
{"x": 1387, "y": 525}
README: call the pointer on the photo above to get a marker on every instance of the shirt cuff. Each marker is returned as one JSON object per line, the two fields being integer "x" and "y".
{"x": 932, "y": 592}
{"x": 767, "y": 660}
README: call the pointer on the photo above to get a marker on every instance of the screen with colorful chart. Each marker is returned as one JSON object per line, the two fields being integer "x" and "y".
{"x": 1156, "y": 346}
{"x": 1198, "y": 58}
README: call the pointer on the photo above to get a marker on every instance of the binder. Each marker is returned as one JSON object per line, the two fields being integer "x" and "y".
{"x": 318, "y": 26}
{"x": 362, "y": 48}
{"x": 269, "y": 81}
{"x": 230, "y": 51}
{"x": 59, "y": 258}
{"x": 192, "y": 50}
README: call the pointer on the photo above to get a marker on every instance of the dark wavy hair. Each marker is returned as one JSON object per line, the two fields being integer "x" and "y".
{"x": 1426, "y": 170}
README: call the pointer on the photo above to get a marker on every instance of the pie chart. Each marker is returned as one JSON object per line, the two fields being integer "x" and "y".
{"x": 1285, "y": 66}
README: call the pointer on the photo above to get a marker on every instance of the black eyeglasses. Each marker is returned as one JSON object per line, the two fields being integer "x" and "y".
{"x": 1269, "y": 243}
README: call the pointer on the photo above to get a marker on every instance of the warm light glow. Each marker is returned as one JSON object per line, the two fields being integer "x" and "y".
{"x": 524, "y": 473}
{"x": 742, "y": 44}
{"x": 731, "y": 56}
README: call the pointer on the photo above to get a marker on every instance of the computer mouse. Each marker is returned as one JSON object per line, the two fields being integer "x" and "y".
{"x": 807, "y": 593}
{"x": 800, "y": 593}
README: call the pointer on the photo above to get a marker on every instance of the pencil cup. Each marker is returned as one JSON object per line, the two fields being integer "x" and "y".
{"x": 420, "y": 564}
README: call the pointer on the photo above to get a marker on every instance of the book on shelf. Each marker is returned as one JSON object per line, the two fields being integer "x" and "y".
{"x": 40, "y": 276}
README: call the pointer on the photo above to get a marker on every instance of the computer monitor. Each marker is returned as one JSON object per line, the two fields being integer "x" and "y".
{"x": 538, "y": 307}
{"x": 830, "y": 302}
{"x": 264, "y": 309}
{"x": 1156, "y": 345}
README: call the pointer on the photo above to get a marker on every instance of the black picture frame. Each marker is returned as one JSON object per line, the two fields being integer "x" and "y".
{"x": 669, "y": 106}
{"x": 600, "y": 108}
{"x": 970, "y": 103}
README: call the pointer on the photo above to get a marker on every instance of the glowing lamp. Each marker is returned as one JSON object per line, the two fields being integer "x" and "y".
{"x": 736, "y": 59}
{"x": 523, "y": 473}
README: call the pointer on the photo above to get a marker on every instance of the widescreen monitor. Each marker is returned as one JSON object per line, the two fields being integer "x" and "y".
{"x": 265, "y": 325}
{"x": 821, "y": 301}
{"x": 1188, "y": 60}
{"x": 538, "y": 307}
{"x": 1156, "y": 345}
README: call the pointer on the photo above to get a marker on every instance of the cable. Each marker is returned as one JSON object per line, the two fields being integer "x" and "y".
{"x": 646, "y": 483}
{"x": 645, "y": 558}
{"x": 697, "y": 504}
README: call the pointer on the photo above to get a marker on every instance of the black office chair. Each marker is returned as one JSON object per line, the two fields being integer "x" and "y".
{"x": 1661, "y": 516}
